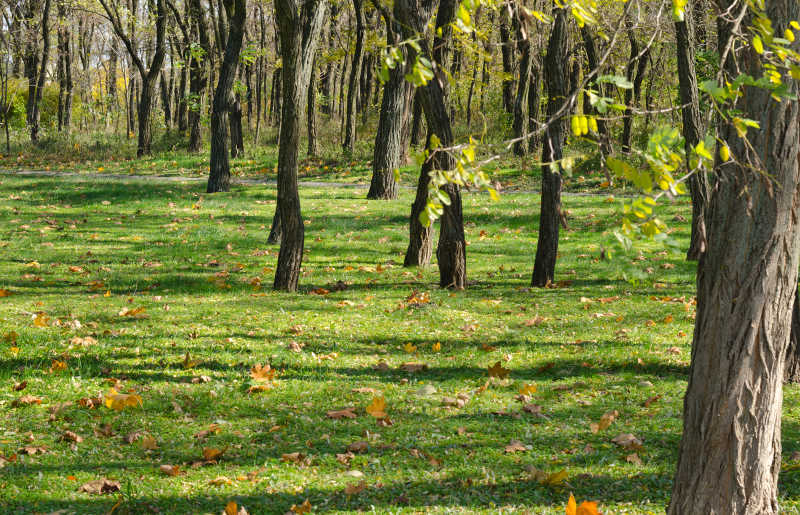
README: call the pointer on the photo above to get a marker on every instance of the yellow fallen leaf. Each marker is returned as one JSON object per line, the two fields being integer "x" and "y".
{"x": 498, "y": 371}
{"x": 40, "y": 320}
{"x": 377, "y": 407}
{"x": 527, "y": 389}
{"x": 303, "y": 508}
{"x": 265, "y": 373}
{"x": 436, "y": 347}
{"x": 119, "y": 401}
{"x": 408, "y": 347}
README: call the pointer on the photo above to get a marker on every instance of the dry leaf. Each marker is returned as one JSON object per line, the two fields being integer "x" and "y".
{"x": 627, "y": 441}
{"x": 26, "y": 400}
{"x": 219, "y": 481}
{"x": 377, "y": 407}
{"x": 498, "y": 371}
{"x": 100, "y": 486}
{"x": 633, "y": 458}
{"x": 515, "y": 446}
{"x": 342, "y": 413}
{"x": 233, "y": 509}
{"x": 259, "y": 373}
{"x": 359, "y": 446}
{"x": 585, "y": 508}
{"x": 170, "y": 470}
{"x": 149, "y": 443}
{"x": 120, "y": 401}
{"x": 413, "y": 367}
{"x": 70, "y": 436}
{"x": 527, "y": 389}
{"x": 355, "y": 488}
{"x": 303, "y": 508}
{"x": 212, "y": 453}
{"x": 605, "y": 421}
{"x": 188, "y": 362}
{"x": 18, "y": 387}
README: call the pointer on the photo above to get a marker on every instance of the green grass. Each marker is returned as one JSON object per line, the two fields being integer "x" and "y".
{"x": 191, "y": 260}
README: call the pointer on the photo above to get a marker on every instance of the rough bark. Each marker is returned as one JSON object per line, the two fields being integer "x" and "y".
{"x": 198, "y": 76}
{"x": 692, "y": 132}
{"x": 791, "y": 372}
{"x": 634, "y": 72}
{"x": 299, "y": 28}
{"x": 520, "y": 124}
{"x": 352, "y": 88}
{"x": 507, "y": 51}
{"x": 389, "y": 141}
{"x": 65, "y": 83}
{"x": 311, "y": 112}
{"x": 730, "y": 451}
{"x": 147, "y": 75}
{"x": 220, "y": 174}
{"x": 36, "y": 71}
{"x": 550, "y": 213}
{"x": 590, "y": 47}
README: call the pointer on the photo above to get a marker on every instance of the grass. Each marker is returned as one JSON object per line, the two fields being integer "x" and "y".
{"x": 85, "y": 249}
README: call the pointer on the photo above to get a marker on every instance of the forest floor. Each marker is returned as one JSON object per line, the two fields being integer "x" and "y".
{"x": 498, "y": 398}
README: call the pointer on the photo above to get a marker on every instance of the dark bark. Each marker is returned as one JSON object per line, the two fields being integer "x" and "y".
{"x": 520, "y": 124}
{"x": 355, "y": 71}
{"x": 730, "y": 451}
{"x": 791, "y": 373}
{"x": 389, "y": 140}
{"x": 36, "y": 67}
{"x": 198, "y": 76}
{"x": 311, "y": 111}
{"x": 237, "y": 131}
{"x": 550, "y": 213}
{"x": 692, "y": 132}
{"x": 220, "y": 174}
{"x": 533, "y": 109}
{"x": 416, "y": 122}
{"x": 65, "y": 83}
{"x": 451, "y": 250}
{"x": 634, "y": 72}
{"x": 148, "y": 75}
{"x": 593, "y": 63}
{"x": 299, "y": 28}
{"x": 507, "y": 50}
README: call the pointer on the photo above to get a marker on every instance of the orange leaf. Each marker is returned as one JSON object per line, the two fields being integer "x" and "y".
{"x": 498, "y": 371}
{"x": 377, "y": 407}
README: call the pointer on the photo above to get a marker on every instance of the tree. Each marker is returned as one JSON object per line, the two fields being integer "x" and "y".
{"x": 34, "y": 63}
{"x": 520, "y": 124}
{"x": 355, "y": 72}
{"x": 147, "y": 75}
{"x": 730, "y": 451}
{"x": 64, "y": 68}
{"x": 299, "y": 26}
{"x": 692, "y": 130}
{"x": 219, "y": 178}
{"x": 544, "y": 267}
{"x": 394, "y": 114}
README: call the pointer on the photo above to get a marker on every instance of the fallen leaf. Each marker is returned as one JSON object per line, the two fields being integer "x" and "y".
{"x": 377, "y": 407}
{"x": 18, "y": 387}
{"x": 410, "y": 348}
{"x": 633, "y": 458}
{"x": 265, "y": 373}
{"x": 515, "y": 446}
{"x": 359, "y": 446}
{"x": 149, "y": 443}
{"x": 219, "y": 481}
{"x": 26, "y": 400}
{"x": 303, "y": 508}
{"x": 119, "y": 401}
{"x": 585, "y": 508}
{"x": 100, "y": 486}
{"x": 188, "y": 362}
{"x": 70, "y": 436}
{"x": 355, "y": 488}
{"x": 212, "y": 453}
{"x": 233, "y": 509}
{"x": 342, "y": 413}
{"x": 413, "y": 367}
{"x": 627, "y": 441}
{"x": 170, "y": 470}
{"x": 498, "y": 371}
{"x": 605, "y": 421}
{"x": 527, "y": 389}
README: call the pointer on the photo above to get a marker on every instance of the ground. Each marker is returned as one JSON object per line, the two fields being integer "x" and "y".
{"x": 163, "y": 292}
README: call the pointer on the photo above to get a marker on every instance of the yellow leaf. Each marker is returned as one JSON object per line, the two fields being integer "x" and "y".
{"x": 498, "y": 371}
{"x": 528, "y": 389}
{"x": 149, "y": 443}
{"x": 377, "y": 407}
{"x": 436, "y": 347}
{"x": 40, "y": 320}
{"x": 572, "y": 506}
{"x": 303, "y": 508}
{"x": 190, "y": 363}
{"x": 212, "y": 453}
{"x": 265, "y": 373}
{"x": 119, "y": 401}
{"x": 131, "y": 312}
{"x": 555, "y": 479}
{"x": 410, "y": 348}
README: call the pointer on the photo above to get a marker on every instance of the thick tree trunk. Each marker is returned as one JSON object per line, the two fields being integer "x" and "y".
{"x": 237, "y": 131}
{"x": 299, "y": 29}
{"x": 550, "y": 214}
{"x": 593, "y": 63}
{"x": 730, "y": 452}
{"x": 634, "y": 73}
{"x": 389, "y": 140}
{"x": 791, "y": 372}
{"x": 692, "y": 132}
{"x": 219, "y": 178}
{"x": 352, "y": 89}
{"x": 65, "y": 70}
{"x": 144, "y": 108}
{"x": 420, "y": 242}
{"x": 36, "y": 80}
{"x": 416, "y": 120}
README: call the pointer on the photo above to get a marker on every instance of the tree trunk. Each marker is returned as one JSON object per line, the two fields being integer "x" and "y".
{"x": 219, "y": 178}
{"x": 197, "y": 75}
{"x": 237, "y": 131}
{"x": 389, "y": 140}
{"x": 730, "y": 451}
{"x": 533, "y": 109}
{"x": 352, "y": 89}
{"x": 37, "y": 79}
{"x": 791, "y": 373}
{"x": 634, "y": 73}
{"x": 299, "y": 29}
{"x": 311, "y": 111}
{"x": 520, "y": 124}
{"x": 544, "y": 267}
{"x": 507, "y": 50}
{"x": 416, "y": 121}
{"x": 593, "y": 63}
{"x": 692, "y": 131}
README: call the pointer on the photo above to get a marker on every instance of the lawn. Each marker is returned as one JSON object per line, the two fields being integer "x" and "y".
{"x": 162, "y": 293}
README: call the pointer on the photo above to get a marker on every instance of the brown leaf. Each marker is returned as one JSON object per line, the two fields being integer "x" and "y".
{"x": 413, "y": 367}
{"x": 355, "y": 488}
{"x": 359, "y": 446}
{"x": 26, "y": 400}
{"x": 212, "y": 453}
{"x": 296, "y": 457}
{"x": 100, "y": 486}
{"x": 132, "y": 437}
{"x": 233, "y": 509}
{"x": 498, "y": 371}
{"x": 342, "y": 413}
{"x": 345, "y": 458}
{"x": 103, "y": 431}
{"x": 32, "y": 450}
{"x": 18, "y": 387}
{"x": 364, "y": 389}
{"x": 303, "y": 508}
{"x": 534, "y": 409}
{"x": 212, "y": 429}
{"x": 651, "y": 400}
{"x": 90, "y": 402}
{"x": 605, "y": 421}
{"x": 515, "y": 446}
{"x": 627, "y": 441}
{"x": 265, "y": 373}
{"x": 70, "y": 436}
{"x": 170, "y": 470}
{"x": 633, "y": 458}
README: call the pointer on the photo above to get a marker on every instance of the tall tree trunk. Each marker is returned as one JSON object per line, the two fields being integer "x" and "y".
{"x": 389, "y": 140}
{"x": 520, "y": 124}
{"x": 507, "y": 50}
{"x": 692, "y": 131}
{"x": 352, "y": 89}
{"x": 219, "y": 178}
{"x": 236, "y": 127}
{"x": 544, "y": 267}
{"x": 37, "y": 79}
{"x": 593, "y": 63}
{"x": 730, "y": 451}
{"x": 634, "y": 73}
{"x": 416, "y": 121}
{"x": 299, "y": 28}
{"x": 791, "y": 372}
{"x": 198, "y": 76}
{"x": 311, "y": 111}
{"x": 533, "y": 109}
